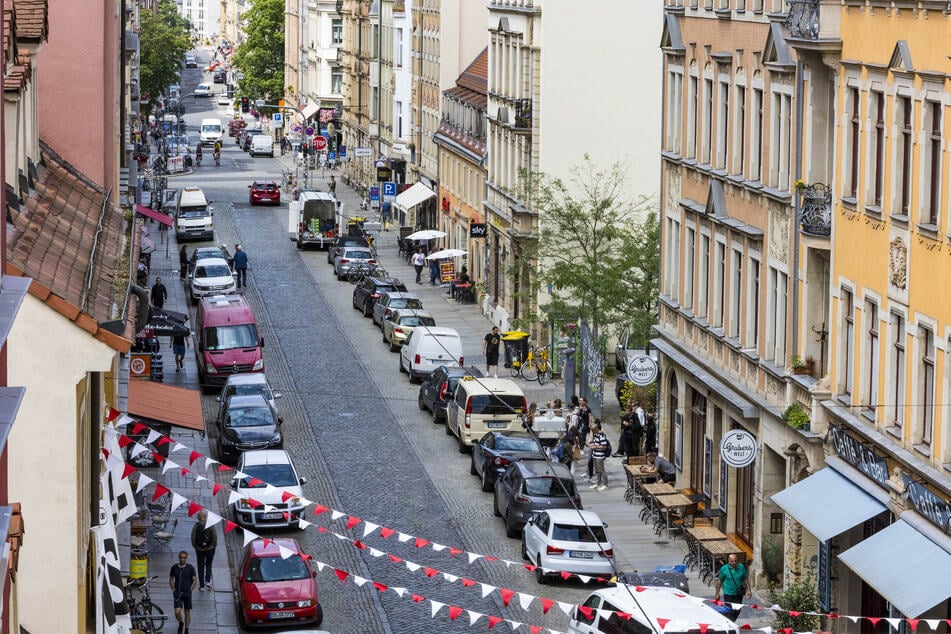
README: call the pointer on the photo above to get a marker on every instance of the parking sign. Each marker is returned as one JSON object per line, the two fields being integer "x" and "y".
{"x": 389, "y": 189}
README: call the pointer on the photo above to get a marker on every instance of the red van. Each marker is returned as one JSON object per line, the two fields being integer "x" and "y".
{"x": 226, "y": 339}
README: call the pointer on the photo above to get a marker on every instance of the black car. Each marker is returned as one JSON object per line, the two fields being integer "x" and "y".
{"x": 437, "y": 389}
{"x": 494, "y": 452}
{"x": 342, "y": 242}
{"x": 527, "y": 486}
{"x": 245, "y": 423}
{"x": 220, "y": 76}
{"x": 369, "y": 290}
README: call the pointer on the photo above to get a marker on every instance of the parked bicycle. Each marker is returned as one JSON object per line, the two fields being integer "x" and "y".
{"x": 145, "y": 615}
{"x": 360, "y": 271}
{"x": 535, "y": 367}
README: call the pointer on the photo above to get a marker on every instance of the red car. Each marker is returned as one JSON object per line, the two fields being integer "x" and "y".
{"x": 277, "y": 591}
{"x": 235, "y": 126}
{"x": 264, "y": 192}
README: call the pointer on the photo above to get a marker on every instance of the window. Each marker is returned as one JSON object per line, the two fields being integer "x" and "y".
{"x": 871, "y": 358}
{"x": 673, "y": 258}
{"x": 903, "y": 173}
{"x": 336, "y": 81}
{"x": 723, "y": 125}
{"x": 398, "y": 48}
{"x": 877, "y": 147}
{"x": 693, "y": 101}
{"x": 707, "y": 120}
{"x": 847, "y": 302}
{"x": 675, "y": 96}
{"x": 780, "y": 139}
{"x": 739, "y": 131}
{"x": 719, "y": 282}
{"x": 736, "y": 293}
{"x": 896, "y": 375}
{"x": 932, "y": 164}
{"x": 752, "y": 319}
{"x": 399, "y": 120}
{"x": 776, "y": 290}
{"x": 926, "y": 350}
{"x": 689, "y": 257}
{"x": 703, "y": 278}
{"x": 756, "y": 138}
{"x": 336, "y": 29}
{"x": 850, "y": 188}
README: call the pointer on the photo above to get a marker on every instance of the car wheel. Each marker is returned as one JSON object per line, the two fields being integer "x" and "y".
{"x": 472, "y": 469}
{"x": 486, "y": 485}
{"x": 319, "y": 616}
{"x": 510, "y": 531}
{"x": 420, "y": 401}
{"x": 540, "y": 576}
{"x": 413, "y": 378}
{"x": 462, "y": 444}
{"x": 524, "y": 549}
{"x": 384, "y": 338}
{"x": 393, "y": 347}
{"x": 400, "y": 359}
{"x": 495, "y": 505}
{"x": 354, "y": 302}
{"x": 448, "y": 428}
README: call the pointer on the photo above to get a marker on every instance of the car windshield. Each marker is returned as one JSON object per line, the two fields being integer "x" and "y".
{"x": 414, "y": 320}
{"x": 265, "y": 186}
{"x": 402, "y": 302}
{"x": 211, "y": 128}
{"x": 251, "y": 390}
{"x": 250, "y": 417}
{"x": 572, "y": 533}
{"x": 493, "y": 404}
{"x": 265, "y": 569}
{"x": 214, "y": 270}
{"x": 193, "y": 212}
{"x": 279, "y": 475}
{"x": 510, "y": 443}
{"x": 357, "y": 254}
{"x": 549, "y": 487}
{"x": 228, "y": 337}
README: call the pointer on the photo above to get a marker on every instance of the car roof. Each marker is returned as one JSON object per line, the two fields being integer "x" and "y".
{"x": 248, "y": 400}
{"x": 211, "y": 262}
{"x": 265, "y": 456}
{"x": 454, "y": 371}
{"x": 402, "y": 295}
{"x": 489, "y": 385}
{"x": 379, "y": 281}
{"x": 574, "y": 517}
{"x": 253, "y": 378}
{"x": 542, "y": 468}
{"x": 411, "y": 312}
{"x": 271, "y": 547}
{"x": 442, "y": 331}
{"x": 663, "y": 602}
{"x": 264, "y": 183}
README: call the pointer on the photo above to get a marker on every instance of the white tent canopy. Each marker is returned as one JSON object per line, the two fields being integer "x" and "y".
{"x": 413, "y": 196}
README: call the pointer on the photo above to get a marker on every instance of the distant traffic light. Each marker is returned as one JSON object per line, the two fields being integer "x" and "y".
{"x": 245, "y": 104}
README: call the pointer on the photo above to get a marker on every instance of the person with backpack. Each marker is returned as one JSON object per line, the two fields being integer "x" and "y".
{"x": 204, "y": 541}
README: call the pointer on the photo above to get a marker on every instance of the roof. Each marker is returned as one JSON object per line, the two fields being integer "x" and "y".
{"x": 658, "y": 602}
{"x": 575, "y": 517}
{"x": 251, "y": 378}
{"x": 32, "y": 20}
{"x": 73, "y": 242}
{"x": 166, "y": 403}
{"x": 491, "y": 385}
{"x": 475, "y": 77}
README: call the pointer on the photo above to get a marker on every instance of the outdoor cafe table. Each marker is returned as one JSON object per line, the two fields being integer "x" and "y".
{"x": 659, "y": 488}
{"x": 705, "y": 533}
{"x": 666, "y": 504}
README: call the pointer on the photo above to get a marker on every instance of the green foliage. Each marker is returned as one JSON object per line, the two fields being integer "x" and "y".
{"x": 796, "y": 416}
{"x": 261, "y": 56}
{"x": 599, "y": 258}
{"x": 773, "y": 558}
{"x": 646, "y": 395}
{"x": 799, "y": 596}
{"x": 163, "y": 42}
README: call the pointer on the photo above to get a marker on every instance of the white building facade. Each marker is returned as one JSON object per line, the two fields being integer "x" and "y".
{"x": 204, "y": 16}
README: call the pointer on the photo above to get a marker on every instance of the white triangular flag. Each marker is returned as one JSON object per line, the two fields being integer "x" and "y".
{"x": 473, "y": 617}
{"x": 248, "y": 537}
{"x": 487, "y": 589}
{"x": 303, "y": 523}
{"x": 178, "y": 446}
{"x": 932, "y": 623}
{"x": 399, "y": 591}
{"x": 436, "y": 605}
{"x": 213, "y": 518}
{"x": 376, "y": 553}
{"x": 403, "y": 537}
{"x": 566, "y": 607}
{"x": 233, "y": 497}
{"x": 513, "y": 624}
{"x": 320, "y": 566}
{"x": 438, "y": 547}
{"x": 137, "y": 449}
{"x": 473, "y": 557}
{"x": 411, "y": 566}
{"x": 525, "y": 600}
{"x": 152, "y": 437}
{"x": 200, "y": 478}
{"x": 144, "y": 481}
{"x": 285, "y": 552}
{"x": 169, "y": 465}
{"x": 177, "y": 500}
{"x": 124, "y": 421}
{"x": 893, "y": 622}
{"x": 209, "y": 461}
{"x": 360, "y": 581}
{"x": 450, "y": 578}
{"x": 369, "y": 527}
{"x": 335, "y": 514}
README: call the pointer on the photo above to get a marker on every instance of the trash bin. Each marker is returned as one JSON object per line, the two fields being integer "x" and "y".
{"x": 516, "y": 346}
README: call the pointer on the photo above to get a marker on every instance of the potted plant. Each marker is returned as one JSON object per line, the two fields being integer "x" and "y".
{"x": 802, "y": 366}
{"x": 797, "y": 416}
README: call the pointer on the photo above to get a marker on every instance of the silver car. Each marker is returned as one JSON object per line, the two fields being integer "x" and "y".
{"x": 397, "y": 327}
{"x": 528, "y": 486}
{"x": 247, "y": 385}
{"x": 389, "y": 302}
{"x": 349, "y": 257}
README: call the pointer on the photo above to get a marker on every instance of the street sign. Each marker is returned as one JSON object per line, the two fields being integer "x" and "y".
{"x": 738, "y": 448}
{"x": 342, "y": 151}
{"x": 320, "y": 143}
{"x": 277, "y": 118}
{"x": 389, "y": 189}
{"x": 642, "y": 370}
{"x": 374, "y": 192}
{"x": 383, "y": 174}
{"x": 296, "y": 129}
{"x": 362, "y": 152}
{"x": 310, "y": 131}
{"x": 331, "y": 156}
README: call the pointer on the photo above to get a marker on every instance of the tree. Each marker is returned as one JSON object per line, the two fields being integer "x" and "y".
{"x": 261, "y": 56}
{"x": 163, "y": 42}
{"x": 801, "y": 597}
{"x": 598, "y": 248}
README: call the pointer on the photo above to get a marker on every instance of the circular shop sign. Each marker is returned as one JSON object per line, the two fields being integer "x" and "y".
{"x": 137, "y": 366}
{"x": 738, "y": 448}
{"x": 642, "y": 370}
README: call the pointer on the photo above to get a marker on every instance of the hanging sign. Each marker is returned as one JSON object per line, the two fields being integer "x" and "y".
{"x": 642, "y": 370}
{"x": 738, "y": 448}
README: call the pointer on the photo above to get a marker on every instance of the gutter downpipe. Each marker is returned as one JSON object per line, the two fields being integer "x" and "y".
{"x": 797, "y": 204}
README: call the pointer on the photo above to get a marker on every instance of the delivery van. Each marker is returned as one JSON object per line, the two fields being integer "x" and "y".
{"x": 193, "y": 216}
{"x": 226, "y": 340}
{"x": 262, "y": 144}
{"x": 211, "y": 131}
{"x": 313, "y": 219}
{"x": 428, "y": 348}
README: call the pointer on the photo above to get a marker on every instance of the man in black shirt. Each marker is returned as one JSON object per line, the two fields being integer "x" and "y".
{"x": 182, "y": 579}
{"x": 490, "y": 348}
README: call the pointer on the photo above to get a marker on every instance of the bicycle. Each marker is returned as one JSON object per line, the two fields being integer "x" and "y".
{"x": 145, "y": 615}
{"x": 536, "y": 366}
{"x": 358, "y": 272}
{"x": 218, "y": 159}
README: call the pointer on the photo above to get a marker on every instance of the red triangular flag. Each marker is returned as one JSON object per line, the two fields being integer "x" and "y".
{"x": 230, "y": 526}
{"x": 468, "y": 583}
{"x": 417, "y": 597}
{"x": 216, "y": 488}
{"x": 530, "y": 567}
{"x": 546, "y": 604}
{"x": 353, "y": 521}
{"x": 124, "y": 441}
{"x": 394, "y": 559}
{"x": 703, "y": 627}
{"x": 358, "y": 544}
{"x": 831, "y": 615}
{"x": 112, "y": 414}
{"x": 663, "y": 623}
{"x": 494, "y": 620}
{"x": 193, "y": 456}
{"x": 341, "y": 574}
{"x": 193, "y": 508}
{"x": 223, "y": 467}
{"x": 255, "y": 482}
{"x": 624, "y": 615}
{"x": 746, "y": 626}
{"x": 421, "y": 543}
{"x": 253, "y": 503}
{"x": 506, "y": 595}
{"x": 913, "y": 623}
{"x": 455, "y": 551}
{"x": 127, "y": 470}
{"x": 454, "y": 612}
{"x": 287, "y": 516}
{"x": 321, "y": 529}
{"x": 794, "y": 613}
{"x": 318, "y": 509}
{"x": 159, "y": 458}
{"x": 566, "y": 575}
{"x": 430, "y": 572}
{"x": 874, "y": 619}
{"x": 159, "y": 492}
{"x": 164, "y": 440}
{"x": 491, "y": 558}
{"x": 267, "y": 542}
{"x": 379, "y": 586}
{"x": 105, "y": 453}
{"x": 138, "y": 428}
{"x": 286, "y": 495}
{"x": 386, "y": 532}
{"x": 639, "y": 588}
{"x": 306, "y": 557}
{"x": 535, "y": 629}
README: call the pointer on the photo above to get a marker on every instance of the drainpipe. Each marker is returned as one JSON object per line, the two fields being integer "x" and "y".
{"x": 796, "y": 204}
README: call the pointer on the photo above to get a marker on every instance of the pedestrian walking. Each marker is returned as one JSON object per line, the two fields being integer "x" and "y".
{"x": 183, "y": 262}
{"x": 433, "y": 272}
{"x": 418, "y": 261}
{"x": 204, "y": 541}
{"x": 732, "y": 580}
{"x": 283, "y": 145}
{"x": 490, "y": 348}
{"x": 626, "y": 439}
{"x": 241, "y": 265}
{"x": 182, "y": 580}
{"x": 600, "y": 449}
{"x": 332, "y": 186}
{"x": 159, "y": 293}
{"x": 178, "y": 347}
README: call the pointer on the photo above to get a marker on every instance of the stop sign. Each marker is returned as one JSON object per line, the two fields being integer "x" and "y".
{"x": 320, "y": 143}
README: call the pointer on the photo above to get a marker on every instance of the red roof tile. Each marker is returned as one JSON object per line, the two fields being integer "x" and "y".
{"x": 32, "y": 20}
{"x": 476, "y": 76}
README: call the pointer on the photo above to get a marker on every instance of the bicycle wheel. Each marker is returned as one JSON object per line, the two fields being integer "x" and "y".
{"x": 529, "y": 370}
{"x": 154, "y": 616}
{"x": 544, "y": 373}
{"x": 515, "y": 367}
{"x": 355, "y": 275}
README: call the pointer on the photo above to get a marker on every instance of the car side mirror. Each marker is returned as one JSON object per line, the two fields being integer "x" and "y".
{"x": 262, "y": 342}
{"x": 302, "y": 480}
{"x": 277, "y": 395}
{"x": 313, "y": 573}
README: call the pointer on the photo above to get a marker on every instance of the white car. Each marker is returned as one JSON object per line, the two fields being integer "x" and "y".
{"x": 567, "y": 540}
{"x": 211, "y": 276}
{"x": 224, "y": 99}
{"x": 270, "y": 473}
{"x": 203, "y": 90}
{"x": 247, "y": 385}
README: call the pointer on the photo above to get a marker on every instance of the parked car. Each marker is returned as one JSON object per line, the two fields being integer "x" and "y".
{"x": 482, "y": 405}
{"x": 427, "y": 349}
{"x": 623, "y": 608}
{"x": 247, "y": 385}
{"x": 246, "y": 423}
{"x": 211, "y": 276}
{"x": 272, "y": 480}
{"x": 264, "y": 192}
{"x": 393, "y": 300}
{"x": 567, "y": 540}
{"x": 202, "y": 253}
{"x": 399, "y": 326}
{"x": 350, "y": 257}
{"x": 248, "y": 138}
{"x": 191, "y": 61}
{"x": 274, "y": 589}
{"x": 493, "y": 453}
{"x": 224, "y": 100}
{"x": 532, "y": 485}
{"x": 203, "y": 90}
{"x": 220, "y": 76}
{"x": 342, "y": 243}
{"x": 371, "y": 288}
{"x": 437, "y": 389}
{"x": 235, "y": 126}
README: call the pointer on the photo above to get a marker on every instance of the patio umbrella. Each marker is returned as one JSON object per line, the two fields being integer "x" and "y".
{"x": 161, "y": 314}
{"x": 446, "y": 253}
{"x": 168, "y": 328}
{"x": 426, "y": 234}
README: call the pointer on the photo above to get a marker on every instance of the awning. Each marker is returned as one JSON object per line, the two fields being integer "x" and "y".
{"x": 310, "y": 110}
{"x": 166, "y": 403}
{"x": 827, "y": 504}
{"x": 904, "y": 566}
{"x": 748, "y": 409}
{"x": 165, "y": 219}
{"x": 413, "y": 196}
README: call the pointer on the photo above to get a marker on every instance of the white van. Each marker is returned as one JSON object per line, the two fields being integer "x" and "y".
{"x": 428, "y": 348}
{"x": 211, "y": 131}
{"x": 193, "y": 217}
{"x": 682, "y": 613}
{"x": 481, "y": 405}
{"x": 262, "y": 144}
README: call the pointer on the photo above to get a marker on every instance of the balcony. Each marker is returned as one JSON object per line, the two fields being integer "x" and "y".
{"x": 815, "y": 209}
{"x": 523, "y": 114}
{"x": 802, "y": 21}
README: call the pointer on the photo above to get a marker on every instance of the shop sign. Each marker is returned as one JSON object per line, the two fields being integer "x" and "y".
{"x": 478, "y": 230}
{"x": 642, "y": 370}
{"x": 140, "y": 365}
{"x": 938, "y": 511}
{"x": 738, "y": 448}
{"x": 858, "y": 455}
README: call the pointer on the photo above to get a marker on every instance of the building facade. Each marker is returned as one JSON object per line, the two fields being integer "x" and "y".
{"x": 205, "y": 18}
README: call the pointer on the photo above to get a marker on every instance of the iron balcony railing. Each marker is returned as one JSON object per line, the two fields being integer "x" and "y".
{"x": 802, "y": 21}
{"x": 815, "y": 210}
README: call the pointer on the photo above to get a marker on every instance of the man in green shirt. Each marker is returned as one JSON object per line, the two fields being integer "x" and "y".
{"x": 732, "y": 579}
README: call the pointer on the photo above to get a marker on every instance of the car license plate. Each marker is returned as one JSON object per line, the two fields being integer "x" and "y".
{"x": 496, "y": 424}
{"x": 272, "y": 516}
{"x": 580, "y": 554}
{"x": 280, "y": 615}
